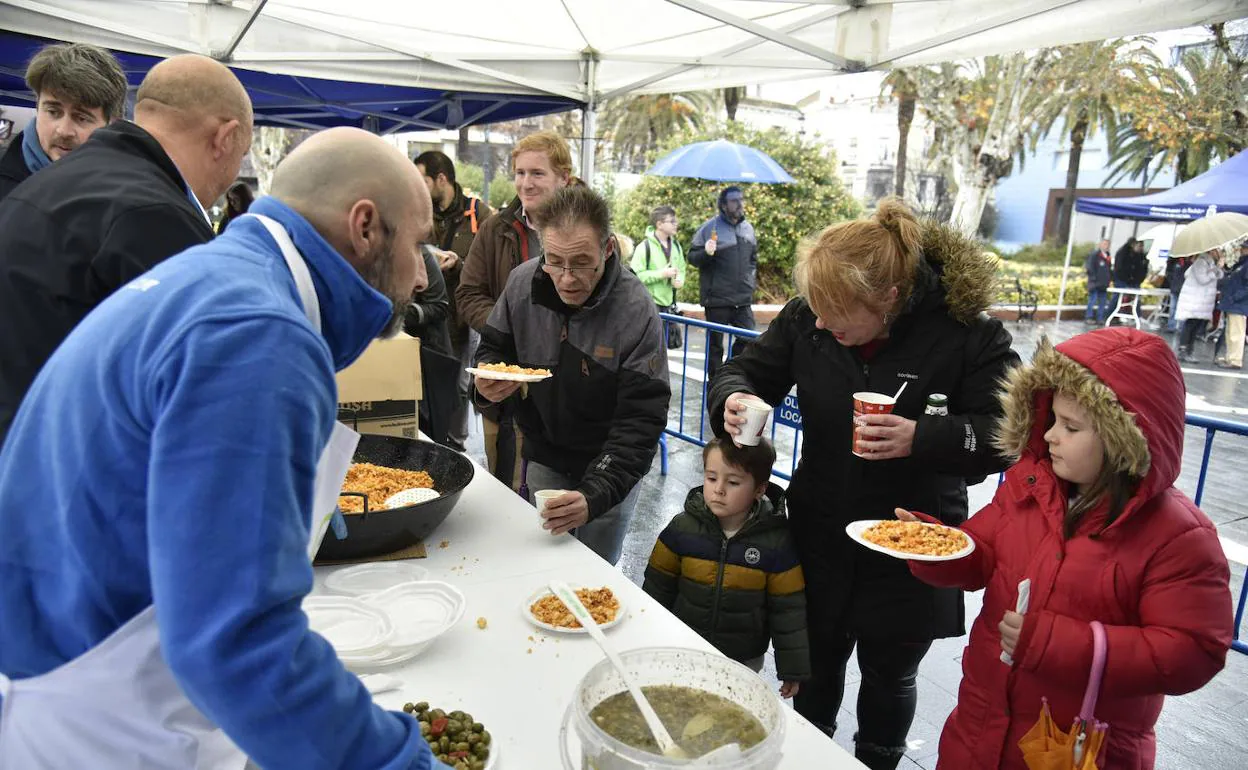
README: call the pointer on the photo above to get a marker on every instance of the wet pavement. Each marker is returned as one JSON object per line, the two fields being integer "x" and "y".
{"x": 1206, "y": 729}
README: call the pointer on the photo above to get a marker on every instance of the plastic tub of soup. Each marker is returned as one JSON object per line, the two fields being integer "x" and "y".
{"x": 705, "y": 700}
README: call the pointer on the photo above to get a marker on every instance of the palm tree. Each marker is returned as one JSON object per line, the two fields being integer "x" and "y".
{"x": 1095, "y": 75}
{"x": 902, "y": 86}
{"x": 1184, "y": 118}
{"x": 732, "y": 98}
{"x": 635, "y": 125}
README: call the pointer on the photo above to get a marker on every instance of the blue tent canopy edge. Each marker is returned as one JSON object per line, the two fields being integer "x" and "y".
{"x": 314, "y": 103}
{"x": 1224, "y": 186}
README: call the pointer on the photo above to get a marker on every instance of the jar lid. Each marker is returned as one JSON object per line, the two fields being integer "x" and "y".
{"x": 937, "y": 398}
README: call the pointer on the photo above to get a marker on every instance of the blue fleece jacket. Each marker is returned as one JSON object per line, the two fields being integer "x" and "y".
{"x": 166, "y": 454}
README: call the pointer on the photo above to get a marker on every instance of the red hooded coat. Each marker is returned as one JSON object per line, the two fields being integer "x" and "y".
{"x": 1156, "y": 577}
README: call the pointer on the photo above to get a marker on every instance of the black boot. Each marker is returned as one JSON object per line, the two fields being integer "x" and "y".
{"x": 877, "y": 757}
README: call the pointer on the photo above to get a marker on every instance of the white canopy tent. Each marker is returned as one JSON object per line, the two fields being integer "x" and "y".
{"x": 590, "y": 50}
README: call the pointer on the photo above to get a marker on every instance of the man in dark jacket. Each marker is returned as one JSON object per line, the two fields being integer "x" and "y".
{"x": 725, "y": 251}
{"x": 593, "y": 426}
{"x": 1099, "y": 268}
{"x": 78, "y": 88}
{"x": 456, "y": 219}
{"x": 129, "y": 198}
{"x": 542, "y": 164}
{"x": 1130, "y": 265}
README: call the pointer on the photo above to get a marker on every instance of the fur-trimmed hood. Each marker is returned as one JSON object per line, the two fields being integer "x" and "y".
{"x": 1131, "y": 386}
{"x": 957, "y": 273}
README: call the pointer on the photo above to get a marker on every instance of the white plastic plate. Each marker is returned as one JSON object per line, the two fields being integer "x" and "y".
{"x": 487, "y": 374}
{"x": 352, "y": 627}
{"x": 526, "y": 610}
{"x": 372, "y": 578}
{"x": 411, "y": 497}
{"x": 420, "y": 611}
{"x": 855, "y": 530}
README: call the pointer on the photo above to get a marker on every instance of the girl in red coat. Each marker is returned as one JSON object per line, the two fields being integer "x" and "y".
{"x": 1089, "y": 514}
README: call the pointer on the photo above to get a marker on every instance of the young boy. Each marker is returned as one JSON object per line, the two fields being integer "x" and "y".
{"x": 727, "y": 567}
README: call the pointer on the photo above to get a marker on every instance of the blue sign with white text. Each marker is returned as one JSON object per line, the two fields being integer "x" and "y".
{"x": 789, "y": 413}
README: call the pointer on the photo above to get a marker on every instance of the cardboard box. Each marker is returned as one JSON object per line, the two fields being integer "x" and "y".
{"x": 379, "y": 393}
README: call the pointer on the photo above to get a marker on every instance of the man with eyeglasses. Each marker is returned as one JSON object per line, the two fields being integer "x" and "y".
{"x": 725, "y": 251}
{"x": 592, "y": 428}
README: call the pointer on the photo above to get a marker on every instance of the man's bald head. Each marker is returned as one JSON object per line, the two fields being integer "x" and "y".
{"x": 365, "y": 198}
{"x": 201, "y": 115}
{"x": 325, "y": 176}
{"x": 194, "y": 87}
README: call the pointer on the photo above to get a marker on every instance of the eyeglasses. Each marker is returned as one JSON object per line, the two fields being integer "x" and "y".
{"x": 555, "y": 271}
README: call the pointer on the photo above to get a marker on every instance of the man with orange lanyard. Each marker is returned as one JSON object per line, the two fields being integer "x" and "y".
{"x": 456, "y": 219}
{"x": 542, "y": 164}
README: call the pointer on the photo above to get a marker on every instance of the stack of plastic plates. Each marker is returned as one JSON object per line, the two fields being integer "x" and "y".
{"x": 371, "y": 578}
{"x": 384, "y": 616}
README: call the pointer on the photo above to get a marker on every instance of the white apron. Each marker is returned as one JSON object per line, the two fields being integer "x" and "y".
{"x": 117, "y": 706}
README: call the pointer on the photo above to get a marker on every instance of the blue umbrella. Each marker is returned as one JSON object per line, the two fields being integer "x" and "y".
{"x": 721, "y": 161}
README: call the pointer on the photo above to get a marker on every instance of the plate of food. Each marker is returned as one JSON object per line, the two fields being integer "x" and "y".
{"x": 913, "y": 540}
{"x": 544, "y": 610}
{"x": 509, "y": 372}
{"x": 456, "y": 738}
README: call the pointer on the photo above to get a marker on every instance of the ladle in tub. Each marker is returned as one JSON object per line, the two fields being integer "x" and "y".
{"x": 578, "y": 610}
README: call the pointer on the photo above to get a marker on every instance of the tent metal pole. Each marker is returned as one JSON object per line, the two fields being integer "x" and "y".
{"x": 589, "y": 117}
{"x": 1070, "y": 245}
{"x": 228, "y": 53}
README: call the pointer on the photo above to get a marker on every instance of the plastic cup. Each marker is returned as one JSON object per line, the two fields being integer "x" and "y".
{"x": 755, "y": 411}
{"x": 866, "y": 402}
{"x": 542, "y": 498}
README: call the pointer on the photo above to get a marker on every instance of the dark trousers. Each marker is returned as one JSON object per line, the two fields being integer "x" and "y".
{"x": 742, "y": 317}
{"x": 1098, "y": 305}
{"x": 1192, "y": 327}
{"x": 887, "y": 695}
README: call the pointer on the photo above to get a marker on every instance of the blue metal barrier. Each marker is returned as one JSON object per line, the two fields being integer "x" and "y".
{"x": 1211, "y": 426}
{"x": 788, "y": 414}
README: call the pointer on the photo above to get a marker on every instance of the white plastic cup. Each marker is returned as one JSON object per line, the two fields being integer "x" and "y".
{"x": 542, "y": 498}
{"x": 755, "y": 411}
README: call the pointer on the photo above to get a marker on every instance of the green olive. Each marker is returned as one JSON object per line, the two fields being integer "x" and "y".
{"x": 481, "y": 750}
{"x": 465, "y": 717}
{"x": 485, "y": 737}
{"x": 424, "y": 729}
{"x": 438, "y": 714}
{"x": 462, "y": 746}
{"x": 477, "y": 764}
{"x": 453, "y": 725}
{"x": 477, "y": 727}
{"x": 474, "y": 739}
{"x": 422, "y": 706}
{"x": 408, "y": 708}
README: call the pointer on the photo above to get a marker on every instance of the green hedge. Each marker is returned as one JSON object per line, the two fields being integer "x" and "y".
{"x": 782, "y": 214}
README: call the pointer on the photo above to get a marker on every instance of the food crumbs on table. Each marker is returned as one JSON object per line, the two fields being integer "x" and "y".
{"x": 444, "y": 544}
{"x": 530, "y": 650}
{"x": 531, "y": 639}
{"x": 481, "y": 623}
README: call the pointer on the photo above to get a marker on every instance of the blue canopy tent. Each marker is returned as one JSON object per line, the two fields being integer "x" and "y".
{"x": 1223, "y": 187}
{"x": 314, "y": 103}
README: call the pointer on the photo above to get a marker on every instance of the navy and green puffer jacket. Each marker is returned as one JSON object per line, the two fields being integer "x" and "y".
{"x": 741, "y": 592}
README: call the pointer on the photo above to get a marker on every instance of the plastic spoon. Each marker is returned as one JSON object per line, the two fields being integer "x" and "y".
{"x": 897, "y": 395}
{"x": 574, "y": 605}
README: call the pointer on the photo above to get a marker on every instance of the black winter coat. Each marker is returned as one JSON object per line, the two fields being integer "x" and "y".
{"x": 13, "y": 170}
{"x": 942, "y": 343}
{"x": 76, "y": 232}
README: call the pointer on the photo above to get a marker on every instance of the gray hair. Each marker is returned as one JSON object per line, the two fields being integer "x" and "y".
{"x": 575, "y": 205}
{"x": 81, "y": 73}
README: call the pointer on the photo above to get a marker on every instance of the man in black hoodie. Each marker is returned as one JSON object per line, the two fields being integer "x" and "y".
{"x": 129, "y": 198}
{"x": 78, "y": 88}
{"x": 725, "y": 251}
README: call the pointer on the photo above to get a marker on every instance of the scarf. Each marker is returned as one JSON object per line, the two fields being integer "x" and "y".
{"x": 36, "y": 159}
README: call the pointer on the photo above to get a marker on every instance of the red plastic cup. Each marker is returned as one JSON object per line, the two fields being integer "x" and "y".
{"x": 866, "y": 402}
